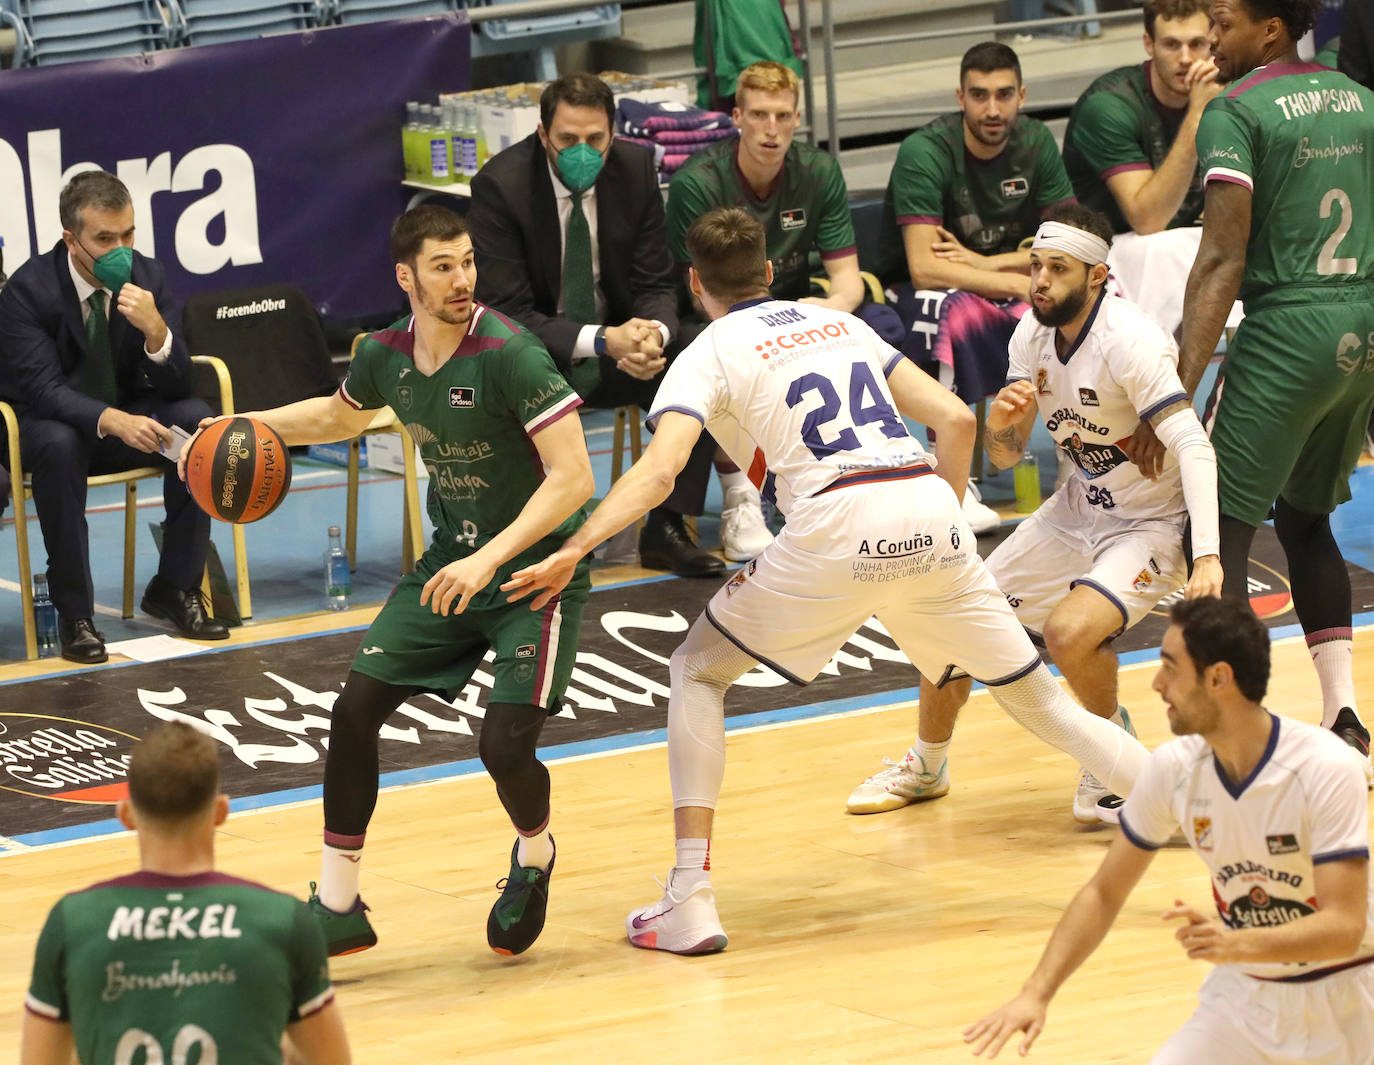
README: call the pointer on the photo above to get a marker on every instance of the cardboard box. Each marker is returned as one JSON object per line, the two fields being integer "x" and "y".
{"x": 384, "y": 453}
{"x": 508, "y": 121}
{"x": 657, "y": 92}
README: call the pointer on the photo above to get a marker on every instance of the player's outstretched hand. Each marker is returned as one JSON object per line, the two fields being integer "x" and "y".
{"x": 547, "y": 578}
{"x": 186, "y": 447}
{"x": 459, "y": 581}
{"x": 1205, "y": 579}
{"x": 1024, "y": 1013}
{"x": 1146, "y": 450}
{"x": 1203, "y": 937}
{"x": 1009, "y": 406}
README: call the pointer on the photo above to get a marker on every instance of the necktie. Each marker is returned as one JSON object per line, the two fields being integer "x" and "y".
{"x": 97, "y": 374}
{"x": 579, "y": 301}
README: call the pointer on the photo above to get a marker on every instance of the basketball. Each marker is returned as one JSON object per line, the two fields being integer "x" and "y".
{"x": 238, "y": 470}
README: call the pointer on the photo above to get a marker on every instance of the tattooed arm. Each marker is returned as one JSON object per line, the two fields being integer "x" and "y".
{"x": 1011, "y": 416}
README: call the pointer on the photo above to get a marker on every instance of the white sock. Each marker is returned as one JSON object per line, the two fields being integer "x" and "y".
{"x": 932, "y": 755}
{"x": 735, "y": 479}
{"x": 339, "y": 868}
{"x": 693, "y": 864}
{"x": 536, "y": 851}
{"x": 1332, "y": 653}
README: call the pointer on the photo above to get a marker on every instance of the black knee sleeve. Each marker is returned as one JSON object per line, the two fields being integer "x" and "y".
{"x": 350, "y": 770}
{"x": 507, "y": 745}
{"x": 1236, "y": 538}
{"x": 1316, "y": 568}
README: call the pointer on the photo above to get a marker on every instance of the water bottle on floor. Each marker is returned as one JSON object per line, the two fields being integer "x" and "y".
{"x": 44, "y": 617}
{"x": 338, "y": 582}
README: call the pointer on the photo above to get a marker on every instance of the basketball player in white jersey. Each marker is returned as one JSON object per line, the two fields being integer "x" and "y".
{"x": 1106, "y": 547}
{"x": 812, "y": 395}
{"x": 1278, "y": 811}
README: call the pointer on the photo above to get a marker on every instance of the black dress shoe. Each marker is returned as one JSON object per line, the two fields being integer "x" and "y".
{"x": 665, "y": 544}
{"x": 184, "y": 609}
{"x": 80, "y": 642}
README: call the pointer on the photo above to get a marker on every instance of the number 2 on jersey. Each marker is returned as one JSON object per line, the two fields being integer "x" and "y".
{"x": 862, "y": 386}
{"x": 1327, "y": 263}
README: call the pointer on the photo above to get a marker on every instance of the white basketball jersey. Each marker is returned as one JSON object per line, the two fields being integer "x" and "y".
{"x": 1122, "y": 369}
{"x": 794, "y": 391}
{"x": 1304, "y": 804}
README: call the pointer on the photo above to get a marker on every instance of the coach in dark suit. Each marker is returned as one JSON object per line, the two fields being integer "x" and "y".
{"x": 93, "y": 366}
{"x": 571, "y": 242}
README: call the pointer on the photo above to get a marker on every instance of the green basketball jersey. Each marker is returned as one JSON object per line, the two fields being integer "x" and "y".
{"x": 1118, "y": 124}
{"x": 473, "y": 421}
{"x": 153, "y": 968}
{"x": 991, "y": 205}
{"x": 807, "y": 208}
{"x": 1301, "y": 138}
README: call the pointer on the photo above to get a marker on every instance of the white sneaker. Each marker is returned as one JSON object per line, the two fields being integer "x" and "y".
{"x": 684, "y": 923}
{"x": 1109, "y": 809}
{"x": 1090, "y": 790}
{"x": 981, "y": 517}
{"x": 900, "y": 784}
{"x": 743, "y": 534}
{"x": 1090, "y": 800}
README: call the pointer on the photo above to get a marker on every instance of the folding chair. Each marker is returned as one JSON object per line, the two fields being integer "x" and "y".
{"x": 22, "y": 488}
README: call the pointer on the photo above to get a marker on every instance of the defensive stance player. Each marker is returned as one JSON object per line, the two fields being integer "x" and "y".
{"x": 812, "y": 395}
{"x": 1108, "y": 545}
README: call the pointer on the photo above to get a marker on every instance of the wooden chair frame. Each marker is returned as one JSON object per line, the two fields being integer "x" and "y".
{"x": 412, "y": 527}
{"x": 22, "y": 488}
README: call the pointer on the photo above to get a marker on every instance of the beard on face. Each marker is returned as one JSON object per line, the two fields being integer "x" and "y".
{"x": 992, "y": 141}
{"x": 1065, "y": 311}
{"x": 438, "y": 308}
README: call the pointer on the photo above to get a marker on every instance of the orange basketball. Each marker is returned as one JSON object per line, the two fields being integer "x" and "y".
{"x": 238, "y": 470}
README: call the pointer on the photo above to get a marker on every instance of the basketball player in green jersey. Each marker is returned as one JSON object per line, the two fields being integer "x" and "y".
{"x": 177, "y": 962}
{"x": 1287, "y": 153}
{"x": 508, "y": 476}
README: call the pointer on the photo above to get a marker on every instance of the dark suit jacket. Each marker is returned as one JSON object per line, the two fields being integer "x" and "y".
{"x": 43, "y": 344}
{"x": 1356, "y": 59}
{"x": 514, "y": 220}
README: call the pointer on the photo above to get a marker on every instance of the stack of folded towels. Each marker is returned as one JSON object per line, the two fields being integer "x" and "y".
{"x": 671, "y": 131}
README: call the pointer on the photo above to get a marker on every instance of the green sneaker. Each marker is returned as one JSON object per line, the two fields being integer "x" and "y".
{"x": 518, "y": 916}
{"x": 344, "y": 933}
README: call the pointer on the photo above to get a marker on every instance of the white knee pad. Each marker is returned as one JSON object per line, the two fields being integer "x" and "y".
{"x": 701, "y": 670}
{"x": 1038, "y": 704}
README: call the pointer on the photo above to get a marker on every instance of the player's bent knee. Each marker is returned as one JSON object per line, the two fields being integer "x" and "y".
{"x": 509, "y": 738}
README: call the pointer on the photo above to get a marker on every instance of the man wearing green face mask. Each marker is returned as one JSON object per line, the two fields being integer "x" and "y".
{"x": 91, "y": 360}
{"x": 571, "y": 243}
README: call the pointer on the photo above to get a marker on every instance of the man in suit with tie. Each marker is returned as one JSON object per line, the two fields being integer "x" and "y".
{"x": 572, "y": 244}
{"x": 96, "y": 372}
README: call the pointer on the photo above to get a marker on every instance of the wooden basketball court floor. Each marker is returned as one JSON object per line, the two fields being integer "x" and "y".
{"x": 852, "y": 939}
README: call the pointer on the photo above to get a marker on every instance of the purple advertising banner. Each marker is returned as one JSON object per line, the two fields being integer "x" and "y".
{"x": 268, "y": 160}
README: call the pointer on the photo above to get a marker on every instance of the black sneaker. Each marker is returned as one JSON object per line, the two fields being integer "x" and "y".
{"x": 518, "y": 916}
{"x": 344, "y": 933}
{"x": 1349, "y": 728}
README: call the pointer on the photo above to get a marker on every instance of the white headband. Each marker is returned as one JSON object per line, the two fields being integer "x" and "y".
{"x": 1056, "y": 236}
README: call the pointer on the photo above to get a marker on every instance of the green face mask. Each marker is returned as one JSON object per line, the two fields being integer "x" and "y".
{"x": 114, "y": 268}
{"x": 579, "y": 166}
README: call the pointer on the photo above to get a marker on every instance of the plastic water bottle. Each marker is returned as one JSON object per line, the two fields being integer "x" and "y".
{"x": 44, "y": 617}
{"x": 480, "y": 137}
{"x": 469, "y": 124}
{"x": 440, "y": 149}
{"x": 1026, "y": 480}
{"x": 338, "y": 581}
{"x": 410, "y": 135}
